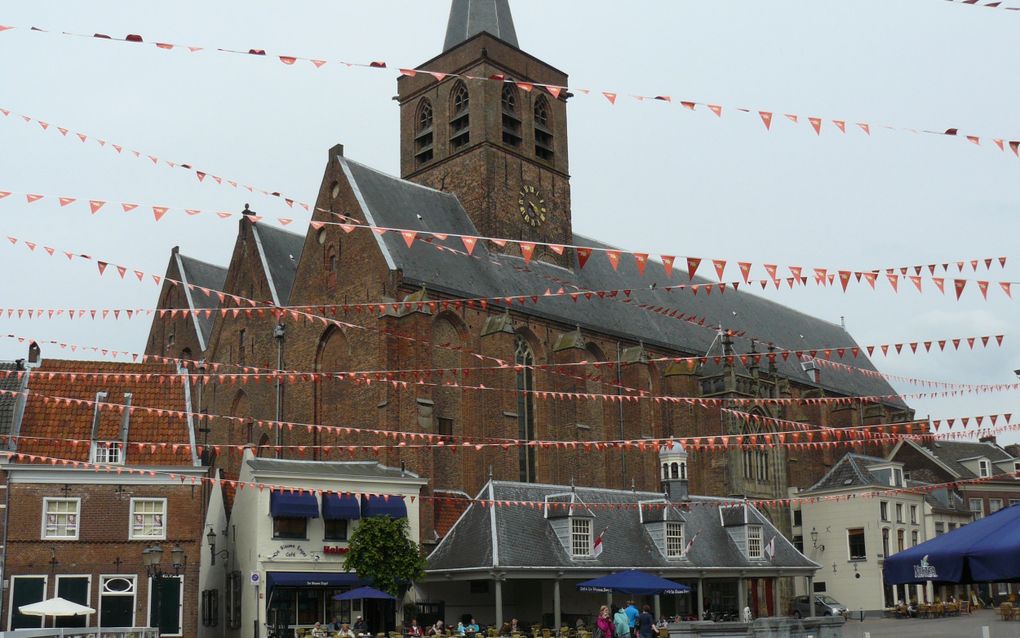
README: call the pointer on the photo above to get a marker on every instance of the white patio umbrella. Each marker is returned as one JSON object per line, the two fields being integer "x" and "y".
{"x": 56, "y": 607}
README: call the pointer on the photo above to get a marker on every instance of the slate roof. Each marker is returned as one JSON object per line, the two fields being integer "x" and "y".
{"x": 200, "y": 273}
{"x": 525, "y": 539}
{"x": 282, "y": 250}
{"x": 468, "y": 18}
{"x": 397, "y": 203}
{"x": 11, "y": 380}
{"x": 850, "y": 471}
{"x": 952, "y": 452}
{"x": 48, "y": 421}
{"x": 328, "y": 469}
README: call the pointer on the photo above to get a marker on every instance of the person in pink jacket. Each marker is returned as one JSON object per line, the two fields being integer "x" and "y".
{"x": 604, "y": 624}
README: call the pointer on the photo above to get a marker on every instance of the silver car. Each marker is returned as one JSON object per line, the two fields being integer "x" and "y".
{"x": 824, "y": 606}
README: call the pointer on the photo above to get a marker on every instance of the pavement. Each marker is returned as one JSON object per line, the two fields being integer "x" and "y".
{"x": 965, "y": 626}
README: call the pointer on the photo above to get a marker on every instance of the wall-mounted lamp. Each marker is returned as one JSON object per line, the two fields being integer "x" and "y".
{"x": 814, "y": 542}
{"x": 211, "y": 537}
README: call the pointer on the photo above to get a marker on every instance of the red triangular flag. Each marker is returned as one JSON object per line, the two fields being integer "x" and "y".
{"x": 692, "y": 266}
{"x": 960, "y": 285}
{"x": 766, "y": 119}
{"x": 95, "y": 205}
{"x": 469, "y": 243}
{"x": 816, "y": 123}
{"x": 527, "y": 250}
{"x": 667, "y": 264}
{"x": 582, "y": 256}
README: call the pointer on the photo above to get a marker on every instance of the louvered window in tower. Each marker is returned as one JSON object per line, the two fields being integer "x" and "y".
{"x": 460, "y": 125}
{"x": 543, "y": 129}
{"x": 423, "y": 133}
{"x": 511, "y": 116}
{"x": 525, "y": 359}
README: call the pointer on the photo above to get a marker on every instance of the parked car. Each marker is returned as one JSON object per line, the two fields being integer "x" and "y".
{"x": 824, "y": 606}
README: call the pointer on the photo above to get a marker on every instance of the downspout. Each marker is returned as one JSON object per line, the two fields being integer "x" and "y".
{"x": 19, "y": 412}
{"x": 619, "y": 392}
{"x": 278, "y": 333}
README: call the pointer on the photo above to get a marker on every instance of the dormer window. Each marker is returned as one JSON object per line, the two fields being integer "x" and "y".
{"x": 1016, "y": 467}
{"x": 674, "y": 539}
{"x": 580, "y": 537}
{"x": 108, "y": 452}
{"x": 511, "y": 116}
{"x": 984, "y": 468}
{"x": 459, "y": 121}
{"x": 896, "y": 477}
{"x": 755, "y": 547}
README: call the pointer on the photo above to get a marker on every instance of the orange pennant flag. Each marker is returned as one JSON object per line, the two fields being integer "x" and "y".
{"x": 715, "y": 108}
{"x": 960, "y": 284}
{"x": 159, "y": 211}
{"x": 816, "y": 123}
{"x": 1005, "y": 285}
{"x": 667, "y": 264}
{"x": 766, "y": 119}
{"x": 983, "y": 287}
{"x": 692, "y": 266}
{"x": 614, "y": 258}
{"x": 95, "y": 205}
{"x": 610, "y": 96}
{"x": 33, "y": 198}
{"x": 640, "y": 259}
{"x": 841, "y": 125}
{"x": 64, "y": 201}
{"x": 720, "y": 266}
{"x": 527, "y": 250}
{"x": 408, "y": 236}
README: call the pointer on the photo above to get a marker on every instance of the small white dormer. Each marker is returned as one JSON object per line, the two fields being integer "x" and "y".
{"x": 666, "y": 526}
{"x": 573, "y": 523}
{"x": 984, "y": 468}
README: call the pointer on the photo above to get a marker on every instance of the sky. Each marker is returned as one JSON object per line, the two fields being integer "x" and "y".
{"x": 648, "y": 176}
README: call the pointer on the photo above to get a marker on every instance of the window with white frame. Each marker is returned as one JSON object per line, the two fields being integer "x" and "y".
{"x": 60, "y": 518}
{"x": 108, "y": 452}
{"x": 1016, "y": 467}
{"x": 977, "y": 507}
{"x": 899, "y": 512}
{"x": 580, "y": 537}
{"x": 913, "y": 514}
{"x": 913, "y": 538}
{"x": 148, "y": 518}
{"x": 674, "y": 539}
{"x": 994, "y": 505}
{"x": 883, "y": 508}
{"x": 984, "y": 468}
{"x": 754, "y": 544}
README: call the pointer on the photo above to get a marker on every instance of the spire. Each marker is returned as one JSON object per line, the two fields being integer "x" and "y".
{"x": 468, "y": 18}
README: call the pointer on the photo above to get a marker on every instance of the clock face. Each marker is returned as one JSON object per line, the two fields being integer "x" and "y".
{"x": 532, "y": 206}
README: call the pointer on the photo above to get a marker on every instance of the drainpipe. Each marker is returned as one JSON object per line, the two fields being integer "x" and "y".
{"x": 619, "y": 391}
{"x": 278, "y": 333}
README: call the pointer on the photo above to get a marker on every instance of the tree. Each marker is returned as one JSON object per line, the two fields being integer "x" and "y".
{"x": 380, "y": 551}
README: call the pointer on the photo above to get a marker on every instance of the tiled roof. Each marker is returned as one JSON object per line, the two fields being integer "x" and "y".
{"x": 447, "y": 510}
{"x": 850, "y": 471}
{"x": 952, "y": 452}
{"x": 47, "y": 421}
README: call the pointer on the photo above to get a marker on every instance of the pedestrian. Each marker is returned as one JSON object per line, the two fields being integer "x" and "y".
{"x": 603, "y": 624}
{"x": 438, "y": 629}
{"x": 645, "y": 623}
{"x": 621, "y": 623}
{"x": 414, "y": 630}
{"x": 632, "y": 614}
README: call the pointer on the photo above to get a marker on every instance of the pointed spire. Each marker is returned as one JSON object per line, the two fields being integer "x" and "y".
{"x": 468, "y": 18}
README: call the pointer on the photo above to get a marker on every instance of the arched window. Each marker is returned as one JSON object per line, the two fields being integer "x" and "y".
{"x": 543, "y": 129}
{"x": 511, "y": 116}
{"x": 665, "y": 470}
{"x": 683, "y": 471}
{"x": 674, "y": 470}
{"x": 460, "y": 123}
{"x": 423, "y": 132}
{"x": 524, "y": 357}
{"x": 263, "y": 450}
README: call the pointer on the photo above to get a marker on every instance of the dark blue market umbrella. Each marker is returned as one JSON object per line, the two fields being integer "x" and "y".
{"x": 362, "y": 593}
{"x": 987, "y": 550}
{"x": 633, "y": 581}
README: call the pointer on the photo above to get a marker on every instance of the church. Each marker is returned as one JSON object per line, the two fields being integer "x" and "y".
{"x": 484, "y": 152}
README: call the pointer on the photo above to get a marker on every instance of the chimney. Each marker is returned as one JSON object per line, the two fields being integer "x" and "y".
{"x": 988, "y": 439}
{"x": 34, "y": 354}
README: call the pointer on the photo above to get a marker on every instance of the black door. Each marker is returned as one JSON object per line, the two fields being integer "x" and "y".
{"x": 118, "y": 611}
{"x": 26, "y": 591}
{"x": 165, "y": 604}
{"x": 75, "y": 589}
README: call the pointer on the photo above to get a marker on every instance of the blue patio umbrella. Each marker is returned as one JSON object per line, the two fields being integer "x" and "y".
{"x": 987, "y": 550}
{"x": 633, "y": 581}
{"x": 362, "y": 593}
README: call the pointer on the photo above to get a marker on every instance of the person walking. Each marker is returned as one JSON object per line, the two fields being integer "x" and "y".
{"x": 603, "y": 624}
{"x": 632, "y": 614}
{"x": 621, "y": 623}
{"x": 645, "y": 623}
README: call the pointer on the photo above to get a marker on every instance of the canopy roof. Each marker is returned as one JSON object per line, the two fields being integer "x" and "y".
{"x": 633, "y": 581}
{"x": 987, "y": 550}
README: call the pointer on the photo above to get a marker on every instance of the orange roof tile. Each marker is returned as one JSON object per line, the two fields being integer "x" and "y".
{"x": 47, "y": 420}
{"x": 447, "y": 510}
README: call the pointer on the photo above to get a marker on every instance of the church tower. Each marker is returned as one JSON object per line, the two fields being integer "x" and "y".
{"x": 500, "y": 147}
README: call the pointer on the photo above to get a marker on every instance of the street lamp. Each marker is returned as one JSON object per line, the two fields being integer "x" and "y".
{"x": 211, "y": 537}
{"x": 814, "y": 540}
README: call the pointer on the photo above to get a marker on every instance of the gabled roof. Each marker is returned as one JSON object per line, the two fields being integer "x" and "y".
{"x": 279, "y": 252}
{"x": 468, "y": 18}
{"x": 393, "y": 202}
{"x": 12, "y": 379}
{"x": 851, "y": 471}
{"x": 206, "y": 275}
{"x": 520, "y": 536}
{"x": 952, "y": 452}
{"x": 49, "y": 423}
{"x": 329, "y": 469}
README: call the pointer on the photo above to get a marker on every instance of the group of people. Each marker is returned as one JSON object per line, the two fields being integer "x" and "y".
{"x": 625, "y": 622}
{"x": 339, "y": 629}
{"x": 414, "y": 630}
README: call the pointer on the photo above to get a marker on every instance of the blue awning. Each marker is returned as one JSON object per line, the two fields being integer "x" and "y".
{"x": 311, "y": 579}
{"x": 633, "y": 581}
{"x": 340, "y": 507}
{"x": 283, "y": 504}
{"x": 393, "y": 506}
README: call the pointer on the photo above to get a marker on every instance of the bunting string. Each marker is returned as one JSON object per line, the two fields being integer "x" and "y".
{"x": 768, "y": 117}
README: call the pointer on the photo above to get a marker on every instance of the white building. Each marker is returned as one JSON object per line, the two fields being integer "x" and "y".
{"x": 855, "y": 525}
{"x": 285, "y": 548}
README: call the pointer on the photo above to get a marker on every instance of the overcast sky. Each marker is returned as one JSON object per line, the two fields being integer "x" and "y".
{"x": 647, "y": 176}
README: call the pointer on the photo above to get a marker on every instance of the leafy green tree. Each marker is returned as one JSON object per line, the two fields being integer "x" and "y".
{"x": 381, "y": 552}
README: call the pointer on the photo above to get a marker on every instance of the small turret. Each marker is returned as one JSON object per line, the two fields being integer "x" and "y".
{"x": 673, "y": 474}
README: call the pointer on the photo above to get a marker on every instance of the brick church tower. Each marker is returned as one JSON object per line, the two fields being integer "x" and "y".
{"x": 500, "y": 147}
